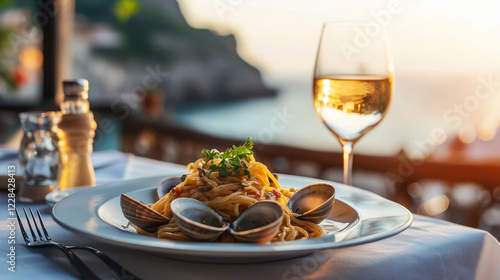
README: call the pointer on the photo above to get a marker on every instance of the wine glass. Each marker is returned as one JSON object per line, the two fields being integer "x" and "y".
{"x": 352, "y": 83}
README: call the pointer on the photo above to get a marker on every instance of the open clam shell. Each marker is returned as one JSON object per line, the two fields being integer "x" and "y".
{"x": 259, "y": 223}
{"x": 141, "y": 215}
{"x": 197, "y": 220}
{"x": 166, "y": 185}
{"x": 312, "y": 203}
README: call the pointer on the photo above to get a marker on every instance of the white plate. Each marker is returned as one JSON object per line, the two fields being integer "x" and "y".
{"x": 358, "y": 217}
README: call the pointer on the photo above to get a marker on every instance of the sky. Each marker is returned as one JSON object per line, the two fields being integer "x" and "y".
{"x": 280, "y": 37}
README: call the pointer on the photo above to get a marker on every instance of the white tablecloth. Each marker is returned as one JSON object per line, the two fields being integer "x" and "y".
{"x": 428, "y": 249}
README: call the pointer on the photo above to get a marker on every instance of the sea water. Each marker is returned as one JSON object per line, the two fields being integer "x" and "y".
{"x": 289, "y": 119}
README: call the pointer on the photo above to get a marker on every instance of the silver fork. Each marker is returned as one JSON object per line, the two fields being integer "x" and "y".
{"x": 86, "y": 273}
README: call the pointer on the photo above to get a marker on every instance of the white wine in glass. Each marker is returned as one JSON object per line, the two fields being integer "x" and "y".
{"x": 352, "y": 83}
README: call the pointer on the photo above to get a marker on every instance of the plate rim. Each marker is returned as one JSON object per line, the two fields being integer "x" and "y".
{"x": 203, "y": 249}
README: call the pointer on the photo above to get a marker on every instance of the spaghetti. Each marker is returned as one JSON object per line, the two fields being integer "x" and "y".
{"x": 230, "y": 196}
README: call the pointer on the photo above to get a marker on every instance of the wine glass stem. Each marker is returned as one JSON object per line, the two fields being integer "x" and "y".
{"x": 347, "y": 148}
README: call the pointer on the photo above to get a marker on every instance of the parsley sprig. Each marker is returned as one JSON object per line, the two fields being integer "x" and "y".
{"x": 233, "y": 160}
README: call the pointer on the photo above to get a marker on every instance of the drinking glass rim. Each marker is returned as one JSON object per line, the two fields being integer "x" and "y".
{"x": 40, "y": 114}
{"x": 344, "y": 22}
{"x": 351, "y": 23}
{"x": 38, "y": 120}
{"x": 383, "y": 31}
{"x": 354, "y": 23}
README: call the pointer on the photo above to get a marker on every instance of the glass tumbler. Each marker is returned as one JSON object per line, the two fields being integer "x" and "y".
{"x": 39, "y": 155}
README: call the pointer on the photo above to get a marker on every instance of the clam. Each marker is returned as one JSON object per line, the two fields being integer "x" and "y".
{"x": 141, "y": 215}
{"x": 259, "y": 223}
{"x": 312, "y": 203}
{"x": 197, "y": 220}
{"x": 166, "y": 185}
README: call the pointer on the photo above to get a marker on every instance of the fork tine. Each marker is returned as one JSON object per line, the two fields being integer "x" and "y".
{"x": 29, "y": 224}
{"x": 42, "y": 225}
{"x": 25, "y": 236}
{"x": 36, "y": 225}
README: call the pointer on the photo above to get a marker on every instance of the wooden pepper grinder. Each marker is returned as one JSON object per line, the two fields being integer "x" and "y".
{"x": 76, "y": 135}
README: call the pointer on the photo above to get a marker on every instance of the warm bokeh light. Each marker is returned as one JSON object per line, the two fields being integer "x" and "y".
{"x": 487, "y": 131}
{"x": 467, "y": 134}
{"x": 434, "y": 206}
{"x": 31, "y": 58}
{"x": 391, "y": 68}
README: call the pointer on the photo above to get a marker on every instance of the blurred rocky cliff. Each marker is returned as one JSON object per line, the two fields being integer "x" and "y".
{"x": 149, "y": 44}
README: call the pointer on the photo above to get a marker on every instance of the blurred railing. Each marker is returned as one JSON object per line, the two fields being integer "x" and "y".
{"x": 162, "y": 141}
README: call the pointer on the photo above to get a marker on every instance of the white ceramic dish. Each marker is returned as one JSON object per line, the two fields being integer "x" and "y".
{"x": 358, "y": 217}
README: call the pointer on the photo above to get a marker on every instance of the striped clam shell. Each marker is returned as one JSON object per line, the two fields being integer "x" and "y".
{"x": 312, "y": 203}
{"x": 197, "y": 220}
{"x": 166, "y": 185}
{"x": 141, "y": 215}
{"x": 259, "y": 223}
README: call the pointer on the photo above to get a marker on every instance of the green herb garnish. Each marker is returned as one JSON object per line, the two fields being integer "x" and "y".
{"x": 232, "y": 160}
